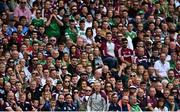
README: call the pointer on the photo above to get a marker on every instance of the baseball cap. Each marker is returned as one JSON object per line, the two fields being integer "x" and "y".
{"x": 140, "y": 12}
{"x": 132, "y": 87}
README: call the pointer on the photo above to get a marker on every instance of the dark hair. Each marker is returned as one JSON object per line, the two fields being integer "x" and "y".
{"x": 82, "y": 21}
{"x": 22, "y": 17}
{"x": 124, "y": 39}
{"x": 160, "y": 100}
{"x": 34, "y": 42}
{"x": 89, "y": 28}
{"x": 48, "y": 44}
{"x": 71, "y": 20}
{"x": 43, "y": 89}
{"x": 108, "y": 33}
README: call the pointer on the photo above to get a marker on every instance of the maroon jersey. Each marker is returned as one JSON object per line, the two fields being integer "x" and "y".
{"x": 126, "y": 54}
{"x": 176, "y": 73}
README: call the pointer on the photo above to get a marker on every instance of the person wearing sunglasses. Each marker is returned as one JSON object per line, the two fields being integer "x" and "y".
{"x": 38, "y": 20}
{"x": 125, "y": 54}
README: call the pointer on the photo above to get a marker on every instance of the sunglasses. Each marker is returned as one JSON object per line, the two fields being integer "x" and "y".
{"x": 34, "y": 73}
{"x": 66, "y": 81}
{"x": 2, "y": 59}
{"x": 132, "y": 76}
{"x": 75, "y": 92}
{"x": 174, "y": 92}
{"x": 11, "y": 61}
{"x": 74, "y": 9}
{"x": 88, "y": 90}
{"x": 53, "y": 40}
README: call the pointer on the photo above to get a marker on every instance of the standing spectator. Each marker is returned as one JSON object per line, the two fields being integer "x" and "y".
{"x": 22, "y": 10}
{"x": 53, "y": 25}
{"x": 96, "y": 101}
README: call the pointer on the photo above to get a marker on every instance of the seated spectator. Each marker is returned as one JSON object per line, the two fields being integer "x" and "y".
{"x": 161, "y": 66}
{"x": 69, "y": 106}
{"x": 114, "y": 104}
{"x": 108, "y": 52}
{"x": 171, "y": 104}
{"x": 125, "y": 54}
{"x": 160, "y": 106}
{"x": 134, "y": 104}
{"x": 125, "y": 106}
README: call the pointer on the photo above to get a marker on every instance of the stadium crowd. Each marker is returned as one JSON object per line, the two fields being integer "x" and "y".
{"x": 90, "y": 55}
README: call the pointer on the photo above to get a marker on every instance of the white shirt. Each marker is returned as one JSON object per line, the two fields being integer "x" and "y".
{"x": 88, "y": 24}
{"x": 162, "y": 68}
{"x": 168, "y": 58}
{"x": 110, "y": 49}
{"x": 130, "y": 45}
{"x": 81, "y": 33}
{"x": 177, "y": 3}
{"x": 27, "y": 73}
{"x": 165, "y": 109}
{"x": 88, "y": 40}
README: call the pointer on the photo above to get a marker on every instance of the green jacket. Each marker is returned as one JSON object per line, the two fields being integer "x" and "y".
{"x": 38, "y": 22}
{"x": 72, "y": 35}
{"x": 53, "y": 30}
{"x": 136, "y": 108}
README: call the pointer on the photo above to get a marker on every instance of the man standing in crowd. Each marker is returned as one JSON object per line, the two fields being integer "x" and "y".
{"x": 97, "y": 101}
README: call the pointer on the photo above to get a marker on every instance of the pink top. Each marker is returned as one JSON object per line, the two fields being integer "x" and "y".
{"x": 23, "y": 12}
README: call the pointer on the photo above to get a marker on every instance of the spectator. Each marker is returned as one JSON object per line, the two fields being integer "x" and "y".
{"x": 171, "y": 104}
{"x": 96, "y": 101}
{"x": 134, "y": 104}
{"x": 161, "y": 71}
{"x": 108, "y": 52}
{"x": 68, "y": 106}
{"x": 125, "y": 106}
{"x": 52, "y": 23}
{"x": 125, "y": 54}
{"x": 160, "y": 106}
{"x": 114, "y": 105}
{"x": 22, "y": 10}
